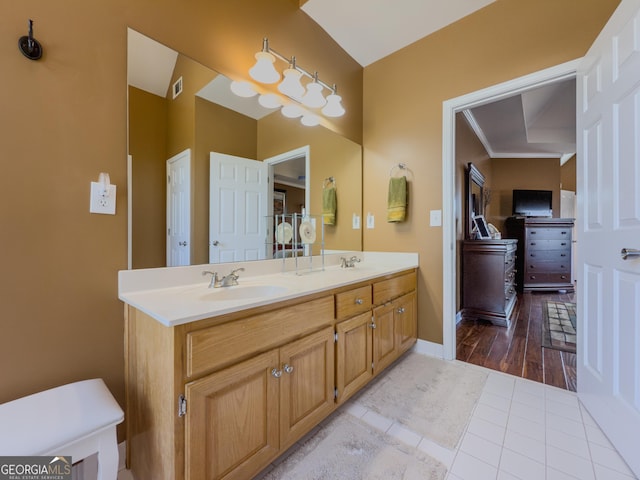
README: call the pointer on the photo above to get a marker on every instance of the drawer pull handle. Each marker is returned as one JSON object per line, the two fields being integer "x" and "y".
{"x": 401, "y": 310}
{"x": 563, "y": 277}
{"x": 563, "y": 254}
{"x": 564, "y": 233}
{"x": 563, "y": 244}
{"x": 358, "y": 301}
{"x": 276, "y": 373}
{"x": 533, "y": 243}
{"x": 373, "y": 325}
{"x": 287, "y": 368}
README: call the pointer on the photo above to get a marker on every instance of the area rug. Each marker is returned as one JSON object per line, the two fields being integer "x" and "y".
{"x": 559, "y": 325}
{"x": 346, "y": 448}
{"x": 429, "y": 396}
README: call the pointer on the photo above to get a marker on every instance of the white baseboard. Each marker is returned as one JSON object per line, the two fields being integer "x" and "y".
{"x": 429, "y": 348}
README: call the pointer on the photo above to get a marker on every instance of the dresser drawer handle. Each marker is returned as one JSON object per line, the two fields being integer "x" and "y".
{"x": 358, "y": 301}
{"x": 563, "y": 244}
{"x": 533, "y": 243}
{"x": 563, "y": 254}
{"x": 563, "y": 277}
{"x": 564, "y": 233}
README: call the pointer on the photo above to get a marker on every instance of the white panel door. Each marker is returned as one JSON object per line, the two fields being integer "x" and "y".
{"x": 179, "y": 209}
{"x": 608, "y": 221}
{"x": 237, "y": 208}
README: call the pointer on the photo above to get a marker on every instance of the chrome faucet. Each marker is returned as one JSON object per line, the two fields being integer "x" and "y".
{"x": 344, "y": 263}
{"x": 226, "y": 281}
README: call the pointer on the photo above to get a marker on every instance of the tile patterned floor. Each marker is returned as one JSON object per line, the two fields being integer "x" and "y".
{"x": 519, "y": 430}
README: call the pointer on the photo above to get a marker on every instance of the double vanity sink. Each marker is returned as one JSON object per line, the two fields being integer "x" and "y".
{"x": 178, "y": 295}
{"x": 221, "y": 381}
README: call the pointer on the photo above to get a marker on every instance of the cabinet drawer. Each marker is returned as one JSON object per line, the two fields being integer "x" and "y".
{"x": 353, "y": 302}
{"x": 549, "y": 233}
{"x": 548, "y": 267}
{"x": 387, "y": 290}
{"x": 551, "y": 278}
{"x": 221, "y": 345}
{"x": 539, "y": 245}
{"x": 536, "y": 256}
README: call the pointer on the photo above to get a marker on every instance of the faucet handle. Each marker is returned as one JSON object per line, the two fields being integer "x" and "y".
{"x": 214, "y": 277}
{"x": 233, "y": 272}
{"x": 354, "y": 259}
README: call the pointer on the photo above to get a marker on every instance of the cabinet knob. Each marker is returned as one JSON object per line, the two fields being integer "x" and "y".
{"x": 276, "y": 373}
{"x": 373, "y": 325}
{"x": 358, "y": 301}
{"x": 287, "y": 368}
{"x": 401, "y": 310}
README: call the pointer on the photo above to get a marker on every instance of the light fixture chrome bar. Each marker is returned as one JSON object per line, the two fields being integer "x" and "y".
{"x": 292, "y": 61}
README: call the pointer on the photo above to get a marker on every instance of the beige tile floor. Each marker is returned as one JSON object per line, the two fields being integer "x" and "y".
{"x": 519, "y": 430}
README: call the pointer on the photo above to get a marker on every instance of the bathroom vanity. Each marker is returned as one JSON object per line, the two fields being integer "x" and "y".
{"x": 220, "y": 382}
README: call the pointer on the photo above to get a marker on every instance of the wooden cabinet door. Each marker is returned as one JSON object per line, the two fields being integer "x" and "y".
{"x": 406, "y": 322}
{"x": 354, "y": 354}
{"x": 385, "y": 349}
{"x": 306, "y": 384}
{"x": 232, "y": 420}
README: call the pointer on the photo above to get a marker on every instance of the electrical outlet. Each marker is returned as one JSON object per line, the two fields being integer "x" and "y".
{"x": 102, "y": 200}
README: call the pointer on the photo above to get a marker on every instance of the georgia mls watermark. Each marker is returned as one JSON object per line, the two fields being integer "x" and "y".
{"x": 35, "y": 468}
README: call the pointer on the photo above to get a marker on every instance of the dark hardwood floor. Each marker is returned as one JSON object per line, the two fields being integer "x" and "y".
{"x": 518, "y": 349}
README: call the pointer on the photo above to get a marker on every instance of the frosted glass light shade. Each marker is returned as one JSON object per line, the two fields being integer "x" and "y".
{"x": 242, "y": 88}
{"x": 291, "y": 111}
{"x": 264, "y": 71}
{"x": 310, "y": 120}
{"x": 333, "y": 108}
{"x": 313, "y": 98}
{"x": 269, "y": 100}
{"x": 291, "y": 85}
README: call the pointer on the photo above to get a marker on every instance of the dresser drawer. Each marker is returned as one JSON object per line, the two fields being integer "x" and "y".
{"x": 548, "y": 233}
{"x": 353, "y": 302}
{"x": 538, "y": 245}
{"x": 214, "y": 347}
{"x": 547, "y": 267}
{"x": 558, "y": 256}
{"x": 551, "y": 278}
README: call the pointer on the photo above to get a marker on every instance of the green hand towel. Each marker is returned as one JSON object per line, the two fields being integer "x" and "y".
{"x": 329, "y": 205}
{"x": 397, "y": 199}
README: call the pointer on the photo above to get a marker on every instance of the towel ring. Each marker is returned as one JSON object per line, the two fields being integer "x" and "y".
{"x": 400, "y": 167}
{"x": 328, "y": 182}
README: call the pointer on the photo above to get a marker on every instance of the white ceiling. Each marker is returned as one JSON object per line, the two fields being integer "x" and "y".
{"x": 369, "y": 30}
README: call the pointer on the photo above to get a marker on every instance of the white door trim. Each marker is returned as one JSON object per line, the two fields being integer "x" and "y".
{"x": 449, "y": 109}
{"x": 283, "y": 157}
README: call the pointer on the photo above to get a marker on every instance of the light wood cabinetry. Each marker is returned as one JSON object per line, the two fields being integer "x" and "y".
{"x": 371, "y": 341}
{"x": 254, "y": 382}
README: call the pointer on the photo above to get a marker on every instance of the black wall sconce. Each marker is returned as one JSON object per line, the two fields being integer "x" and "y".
{"x": 29, "y": 46}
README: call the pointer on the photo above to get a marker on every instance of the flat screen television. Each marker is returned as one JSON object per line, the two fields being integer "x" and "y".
{"x": 532, "y": 203}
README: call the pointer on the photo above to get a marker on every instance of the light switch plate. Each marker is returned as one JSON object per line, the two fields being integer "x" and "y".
{"x": 356, "y": 221}
{"x": 435, "y": 219}
{"x": 99, "y": 203}
{"x": 371, "y": 222}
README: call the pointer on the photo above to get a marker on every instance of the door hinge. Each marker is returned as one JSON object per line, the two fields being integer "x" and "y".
{"x": 168, "y": 178}
{"x": 335, "y": 337}
{"x": 372, "y": 366}
{"x": 182, "y": 406}
{"x": 335, "y": 392}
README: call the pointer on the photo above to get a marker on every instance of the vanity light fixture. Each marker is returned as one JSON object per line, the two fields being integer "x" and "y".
{"x": 312, "y": 96}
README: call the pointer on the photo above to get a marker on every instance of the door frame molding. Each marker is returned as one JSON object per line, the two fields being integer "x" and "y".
{"x": 450, "y": 107}
{"x": 284, "y": 157}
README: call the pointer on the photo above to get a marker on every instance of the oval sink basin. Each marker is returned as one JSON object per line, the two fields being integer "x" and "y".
{"x": 242, "y": 292}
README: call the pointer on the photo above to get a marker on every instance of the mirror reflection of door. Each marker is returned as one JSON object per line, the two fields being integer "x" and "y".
{"x": 179, "y": 209}
{"x": 238, "y": 209}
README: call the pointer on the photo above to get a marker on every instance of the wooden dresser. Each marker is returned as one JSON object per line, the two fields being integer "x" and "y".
{"x": 488, "y": 286}
{"x": 544, "y": 252}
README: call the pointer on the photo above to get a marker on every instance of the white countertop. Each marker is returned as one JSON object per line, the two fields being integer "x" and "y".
{"x": 179, "y": 295}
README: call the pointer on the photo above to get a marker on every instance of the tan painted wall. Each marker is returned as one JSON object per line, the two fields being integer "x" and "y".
{"x": 568, "y": 175}
{"x": 523, "y": 174}
{"x": 403, "y": 95}
{"x": 148, "y": 149}
{"x": 63, "y": 122}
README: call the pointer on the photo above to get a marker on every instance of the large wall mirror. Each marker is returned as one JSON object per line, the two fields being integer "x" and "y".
{"x": 474, "y": 204}
{"x": 183, "y": 118}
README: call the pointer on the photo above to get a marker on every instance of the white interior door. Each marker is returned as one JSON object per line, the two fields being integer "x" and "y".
{"x": 609, "y": 220}
{"x": 237, "y": 208}
{"x": 179, "y": 209}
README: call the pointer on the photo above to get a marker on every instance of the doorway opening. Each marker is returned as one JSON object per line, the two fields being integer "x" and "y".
{"x": 451, "y": 237}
